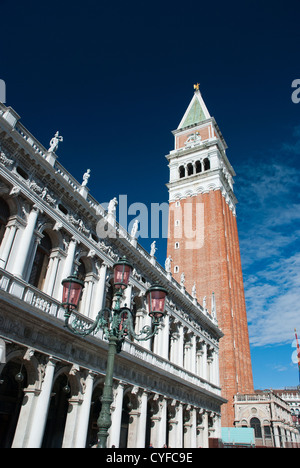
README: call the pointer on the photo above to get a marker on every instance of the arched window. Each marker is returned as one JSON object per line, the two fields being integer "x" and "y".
{"x": 255, "y": 423}
{"x": 81, "y": 272}
{"x": 181, "y": 172}
{"x": 206, "y": 164}
{"x": 4, "y": 215}
{"x": 40, "y": 263}
{"x": 125, "y": 421}
{"x": 13, "y": 382}
{"x": 267, "y": 431}
{"x": 57, "y": 413}
{"x": 198, "y": 167}
{"x": 96, "y": 405}
{"x": 190, "y": 169}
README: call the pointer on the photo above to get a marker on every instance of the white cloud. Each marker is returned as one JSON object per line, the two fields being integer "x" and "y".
{"x": 273, "y": 302}
{"x": 269, "y": 230}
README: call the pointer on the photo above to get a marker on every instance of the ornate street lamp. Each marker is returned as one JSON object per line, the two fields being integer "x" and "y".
{"x": 156, "y": 296}
{"x": 116, "y": 323}
{"x": 72, "y": 290}
{"x": 122, "y": 272}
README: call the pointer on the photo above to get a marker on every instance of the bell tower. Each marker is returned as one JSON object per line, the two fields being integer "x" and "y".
{"x": 203, "y": 240}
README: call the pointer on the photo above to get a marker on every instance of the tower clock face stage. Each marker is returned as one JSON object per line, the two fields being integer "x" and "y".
{"x": 203, "y": 240}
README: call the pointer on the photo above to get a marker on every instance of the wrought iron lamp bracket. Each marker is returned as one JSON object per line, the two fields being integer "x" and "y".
{"x": 110, "y": 321}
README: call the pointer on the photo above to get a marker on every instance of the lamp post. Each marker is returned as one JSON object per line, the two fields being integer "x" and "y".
{"x": 116, "y": 323}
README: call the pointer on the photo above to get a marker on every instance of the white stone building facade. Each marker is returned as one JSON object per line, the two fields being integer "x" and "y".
{"x": 271, "y": 418}
{"x": 166, "y": 391}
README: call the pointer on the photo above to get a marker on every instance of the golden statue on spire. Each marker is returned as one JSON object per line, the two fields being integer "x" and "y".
{"x": 196, "y": 86}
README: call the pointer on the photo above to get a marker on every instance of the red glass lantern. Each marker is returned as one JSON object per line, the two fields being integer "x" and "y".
{"x": 124, "y": 316}
{"x": 122, "y": 271}
{"x": 156, "y": 298}
{"x": 72, "y": 289}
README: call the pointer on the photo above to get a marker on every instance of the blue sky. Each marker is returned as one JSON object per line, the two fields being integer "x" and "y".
{"x": 115, "y": 79}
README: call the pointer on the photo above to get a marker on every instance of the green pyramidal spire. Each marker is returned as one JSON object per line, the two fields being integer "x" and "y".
{"x": 196, "y": 112}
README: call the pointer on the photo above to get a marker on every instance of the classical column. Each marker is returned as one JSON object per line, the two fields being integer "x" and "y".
{"x": 172, "y": 424}
{"x": 134, "y": 416}
{"x": 193, "y": 354}
{"x": 176, "y": 425}
{"x": 179, "y": 426}
{"x": 157, "y": 343}
{"x": 21, "y": 432}
{"x": 163, "y": 423}
{"x": 164, "y": 346}
{"x": 218, "y": 429}
{"x": 199, "y": 430}
{"x": 69, "y": 261}
{"x": 187, "y": 355}
{"x": 25, "y": 242}
{"x": 199, "y": 353}
{"x": 68, "y": 266}
{"x": 212, "y": 417}
{"x": 277, "y": 436}
{"x": 288, "y": 436}
{"x": 209, "y": 367}
{"x": 71, "y": 423}
{"x": 216, "y": 373}
{"x": 193, "y": 428}
{"x": 86, "y": 302}
{"x": 178, "y": 345}
{"x": 6, "y": 244}
{"x": 84, "y": 416}
{"x": 99, "y": 296}
{"x": 205, "y": 429}
{"x": 55, "y": 258}
{"x": 204, "y": 361}
{"x": 187, "y": 427}
{"x": 115, "y": 428}
{"x": 173, "y": 340}
{"x": 139, "y": 320}
{"x": 159, "y": 422}
{"x": 40, "y": 414}
{"x": 141, "y": 432}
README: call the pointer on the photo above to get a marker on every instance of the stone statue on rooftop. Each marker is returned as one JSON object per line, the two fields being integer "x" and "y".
{"x": 168, "y": 264}
{"x": 134, "y": 228}
{"x": 153, "y": 249}
{"x": 112, "y": 206}
{"x": 86, "y": 177}
{"x": 54, "y": 143}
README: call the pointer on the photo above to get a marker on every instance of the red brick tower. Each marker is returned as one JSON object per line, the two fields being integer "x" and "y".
{"x": 203, "y": 240}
